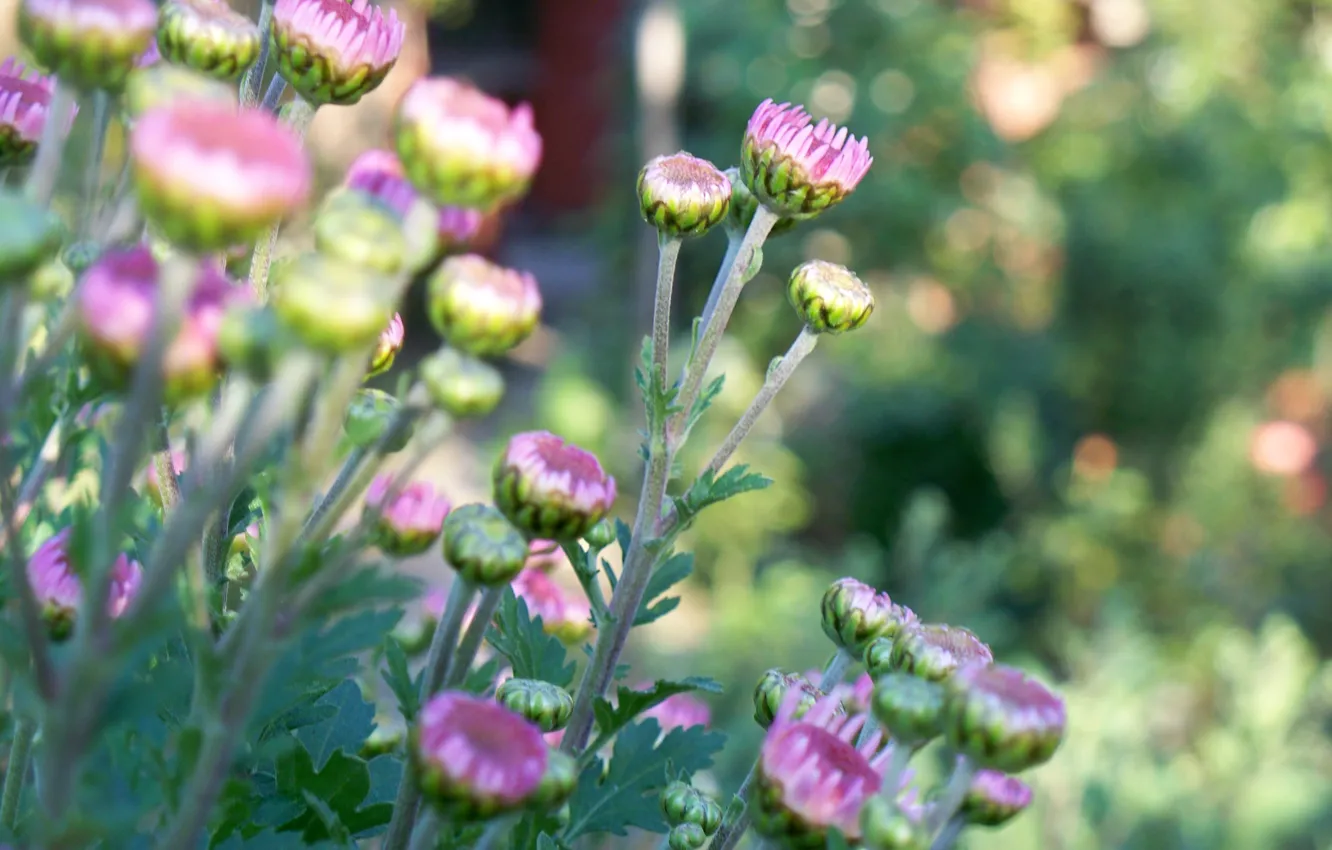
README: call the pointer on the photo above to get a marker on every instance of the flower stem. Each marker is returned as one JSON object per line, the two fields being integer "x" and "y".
{"x": 92, "y": 177}
{"x": 892, "y": 774}
{"x": 45, "y": 170}
{"x": 476, "y": 632}
{"x": 297, "y": 115}
{"x": 776, "y": 379}
{"x": 731, "y": 831}
{"x": 347, "y": 475}
{"x": 949, "y": 834}
{"x": 254, "y": 77}
{"x": 668, "y": 254}
{"x": 589, "y": 579}
{"x": 276, "y": 88}
{"x": 835, "y": 670}
{"x": 733, "y": 241}
{"x": 953, "y": 794}
{"x": 16, "y": 773}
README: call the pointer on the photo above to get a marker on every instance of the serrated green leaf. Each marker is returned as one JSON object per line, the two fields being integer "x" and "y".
{"x": 399, "y": 679}
{"x": 672, "y": 571}
{"x": 385, "y": 777}
{"x": 342, "y": 786}
{"x": 521, "y": 639}
{"x": 333, "y": 825}
{"x": 624, "y": 535}
{"x": 709, "y": 489}
{"x": 630, "y": 703}
{"x": 349, "y": 721}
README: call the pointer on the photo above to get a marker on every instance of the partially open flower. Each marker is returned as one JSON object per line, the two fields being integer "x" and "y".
{"x": 209, "y": 177}
{"x": 117, "y": 303}
{"x": 812, "y": 777}
{"x": 550, "y": 488}
{"x": 91, "y": 44}
{"x": 387, "y": 348}
{"x": 482, "y": 308}
{"x": 1003, "y": 719}
{"x": 995, "y": 798}
{"x": 682, "y": 195}
{"x": 208, "y": 36}
{"x": 910, "y": 708}
{"x": 411, "y": 522}
{"x": 854, "y": 614}
{"x": 829, "y": 298}
{"x": 546, "y": 705}
{"x": 25, "y": 99}
{"x": 743, "y": 205}
{"x": 153, "y": 483}
{"x": 563, "y": 613}
{"x": 164, "y": 85}
{"x": 935, "y": 650}
{"x": 368, "y": 418}
{"x": 796, "y": 168}
{"x": 29, "y": 236}
{"x": 331, "y": 306}
{"x": 356, "y": 228}
{"x": 335, "y": 51}
{"x": 475, "y": 758}
{"x": 680, "y": 712}
{"x": 463, "y": 148}
{"x": 58, "y": 590}
{"x": 483, "y": 546}
{"x": 771, "y": 691}
{"x": 462, "y": 385}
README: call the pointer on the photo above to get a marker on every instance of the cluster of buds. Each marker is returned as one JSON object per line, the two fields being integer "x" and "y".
{"x": 692, "y": 815}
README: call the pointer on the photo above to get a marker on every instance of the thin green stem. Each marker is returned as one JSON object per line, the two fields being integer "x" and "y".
{"x": 949, "y": 834}
{"x": 297, "y": 115}
{"x": 426, "y": 834}
{"x": 733, "y": 241}
{"x": 92, "y": 176}
{"x": 346, "y": 477}
{"x": 29, "y": 611}
{"x": 953, "y": 794}
{"x": 16, "y": 773}
{"x": 471, "y": 639}
{"x": 668, "y": 254}
{"x": 254, "y": 77}
{"x": 45, "y": 171}
{"x": 589, "y": 579}
{"x": 898, "y": 760}
{"x": 835, "y": 670}
{"x": 276, "y": 88}
{"x": 732, "y": 830}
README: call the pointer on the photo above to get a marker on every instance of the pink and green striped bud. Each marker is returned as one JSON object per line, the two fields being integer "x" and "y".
{"x": 682, "y": 803}
{"x": 482, "y": 308}
{"x": 855, "y": 614}
{"x": 29, "y": 237}
{"x": 368, "y": 419}
{"x": 165, "y": 85}
{"x": 829, "y": 298}
{"x": 463, "y": 148}
{"x": 1002, "y": 719}
{"x": 771, "y": 692}
{"x": 331, "y": 306}
{"x": 995, "y": 798}
{"x": 117, "y": 308}
{"x": 885, "y": 825}
{"x": 682, "y": 195}
{"x": 90, "y": 44}
{"x": 935, "y": 651}
{"x": 686, "y": 836}
{"x": 550, "y": 488}
{"x": 58, "y": 590}
{"x": 352, "y": 227}
{"x": 209, "y": 177}
{"x": 740, "y": 212}
{"x": 543, "y": 704}
{"x": 476, "y": 759}
{"x": 557, "y": 784}
{"x": 410, "y": 521}
{"x": 208, "y": 36}
{"x": 25, "y": 101}
{"x": 387, "y": 347}
{"x": 335, "y": 51}
{"x": 812, "y": 777}
{"x": 910, "y": 708}
{"x": 796, "y": 168}
{"x": 462, "y": 385}
{"x": 482, "y": 546}
{"x": 564, "y": 613}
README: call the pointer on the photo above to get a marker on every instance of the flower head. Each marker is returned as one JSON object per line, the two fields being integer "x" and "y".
{"x": 1002, "y": 719}
{"x": 25, "y": 100}
{"x": 208, "y": 36}
{"x": 335, "y": 51}
{"x": 388, "y": 346}
{"x": 409, "y": 523}
{"x": 483, "y": 546}
{"x": 795, "y": 167}
{"x": 331, "y": 306}
{"x": 829, "y": 298}
{"x": 995, "y": 798}
{"x": 164, "y": 84}
{"x": 550, "y": 488}
{"x": 356, "y": 228}
{"x": 680, "y": 712}
{"x": 463, "y": 148}
{"x": 910, "y": 708}
{"x": 482, "y": 308}
{"x": 812, "y": 777}
{"x": 740, "y": 213}
{"x": 369, "y": 417}
{"x": 771, "y": 692}
{"x": 682, "y": 195}
{"x": 59, "y": 591}
{"x": 475, "y": 758}
{"x": 460, "y": 384}
{"x": 209, "y": 176}
{"x": 546, "y": 705}
{"x": 563, "y": 613}
{"x": 91, "y": 44}
{"x": 854, "y": 614}
{"x": 935, "y": 651}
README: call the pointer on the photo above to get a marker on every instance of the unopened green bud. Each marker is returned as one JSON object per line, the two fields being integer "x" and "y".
{"x": 855, "y": 614}
{"x": 368, "y": 419}
{"x": 557, "y": 783}
{"x": 771, "y": 691}
{"x": 29, "y": 236}
{"x": 331, "y": 306}
{"x": 600, "y": 535}
{"x": 682, "y": 195}
{"x": 251, "y": 340}
{"x": 1002, "y": 719}
{"x": 687, "y": 836}
{"x": 462, "y": 385}
{"x": 483, "y": 546}
{"x": 354, "y": 228}
{"x": 829, "y": 298}
{"x": 878, "y": 657}
{"x": 546, "y": 705}
{"x": 78, "y": 256}
{"x": 935, "y": 651}
{"x": 885, "y": 826}
{"x": 207, "y": 36}
{"x": 911, "y": 709}
{"x": 51, "y": 281}
{"x": 88, "y": 48}
{"x": 684, "y": 804}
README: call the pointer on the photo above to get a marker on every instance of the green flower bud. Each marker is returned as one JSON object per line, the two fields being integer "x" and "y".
{"x": 89, "y": 48}
{"x": 684, "y": 804}
{"x": 1002, "y": 719}
{"x": 353, "y": 228}
{"x": 546, "y": 705}
{"x": 51, "y": 281}
{"x": 829, "y": 298}
{"x": 368, "y": 418}
{"x": 854, "y": 614}
{"x": 252, "y": 340}
{"x": 687, "y": 836}
{"x": 331, "y": 306}
{"x": 934, "y": 651}
{"x": 995, "y": 798}
{"x": 483, "y": 546}
{"x": 744, "y": 205}
{"x": 78, "y": 256}
{"x": 600, "y": 535}
{"x": 771, "y": 691}
{"x": 29, "y": 236}
{"x": 558, "y": 782}
{"x": 911, "y": 709}
{"x": 462, "y": 385}
{"x": 682, "y": 195}
{"x": 885, "y": 826}
{"x": 482, "y": 308}
{"x": 207, "y": 36}
{"x": 878, "y": 657}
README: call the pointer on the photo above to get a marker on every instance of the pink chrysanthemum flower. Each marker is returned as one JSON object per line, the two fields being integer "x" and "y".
{"x": 412, "y": 521}
{"x": 58, "y": 590}
{"x": 680, "y": 712}
{"x": 25, "y": 99}
{"x": 90, "y": 44}
{"x": 335, "y": 51}
{"x": 116, "y": 305}
{"x": 480, "y": 307}
{"x": 550, "y": 488}
{"x": 464, "y": 148}
{"x": 209, "y": 177}
{"x": 811, "y": 775}
{"x": 387, "y": 348}
{"x": 797, "y": 168}
{"x": 1002, "y": 719}
{"x": 994, "y": 798}
{"x": 475, "y": 758}
{"x": 564, "y": 613}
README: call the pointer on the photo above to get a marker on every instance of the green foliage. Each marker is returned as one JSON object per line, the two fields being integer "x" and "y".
{"x": 520, "y": 638}
{"x": 629, "y": 703}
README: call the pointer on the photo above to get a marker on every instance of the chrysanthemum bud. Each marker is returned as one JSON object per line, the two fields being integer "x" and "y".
{"x": 25, "y": 100}
{"x": 368, "y": 418}
{"x": 462, "y": 385}
{"x": 91, "y": 44}
{"x": 165, "y": 85}
{"x": 934, "y": 651}
{"x": 331, "y": 306}
{"x": 1002, "y": 719}
{"x": 683, "y": 803}
{"x": 483, "y": 546}
{"x": 686, "y": 836}
{"x": 600, "y": 535}
{"x": 411, "y": 522}
{"x": 462, "y": 148}
{"x": 335, "y": 51}
{"x": 550, "y": 488}
{"x": 58, "y": 590}
{"x": 682, "y": 195}
{"x": 208, "y": 36}
{"x": 885, "y": 826}
{"x": 209, "y": 177}
{"x": 387, "y": 347}
{"x": 743, "y": 206}
{"x": 546, "y": 705}
{"x": 79, "y": 256}
{"x": 354, "y": 228}
{"x": 29, "y": 236}
{"x": 911, "y": 709}
{"x": 563, "y": 613}
{"x": 854, "y": 614}
{"x": 995, "y": 798}
{"x": 482, "y": 308}
{"x": 878, "y": 657}
{"x": 796, "y": 169}
{"x": 558, "y": 784}
{"x": 770, "y": 694}
{"x": 51, "y": 281}
{"x": 251, "y": 340}
{"x": 829, "y": 298}
{"x": 475, "y": 759}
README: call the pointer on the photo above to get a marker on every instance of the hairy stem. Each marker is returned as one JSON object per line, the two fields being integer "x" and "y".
{"x": 895, "y": 770}
{"x": 297, "y": 115}
{"x": 16, "y": 773}
{"x": 254, "y": 77}
{"x": 471, "y": 640}
{"x": 29, "y": 611}
{"x": 92, "y": 176}
{"x": 733, "y": 241}
{"x": 347, "y": 475}
{"x": 668, "y": 254}
{"x": 276, "y": 88}
{"x": 45, "y": 172}
{"x": 732, "y": 830}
